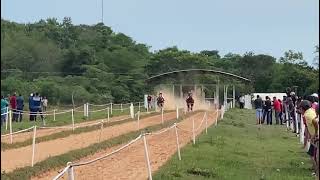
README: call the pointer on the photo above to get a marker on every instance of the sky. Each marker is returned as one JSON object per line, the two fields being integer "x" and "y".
{"x": 261, "y": 26}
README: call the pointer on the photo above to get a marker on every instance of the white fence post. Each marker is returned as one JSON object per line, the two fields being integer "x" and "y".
{"x": 138, "y": 119}
{"x": 85, "y": 109}
{"x": 7, "y": 117}
{"x": 297, "y": 125}
{"x": 101, "y": 130}
{"x": 162, "y": 115}
{"x": 139, "y": 106}
{"x": 177, "y": 137}
{"x": 302, "y": 130}
{"x": 54, "y": 115}
{"x": 177, "y": 112}
{"x": 108, "y": 114}
{"x": 111, "y": 108}
{"x": 193, "y": 134}
{"x": 70, "y": 172}
{"x": 33, "y": 144}
{"x": 146, "y": 153}
{"x": 121, "y": 107}
{"x": 72, "y": 118}
{"x": 206, "y": 123}
{"x": 217, "y": 114}
{"x": 132, "y": 111}
{"x": 10, "y": 125}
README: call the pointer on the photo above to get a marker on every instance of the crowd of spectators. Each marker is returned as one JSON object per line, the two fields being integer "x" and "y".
{"x": 37, "y": 105}
{"x": 294, "y": 112}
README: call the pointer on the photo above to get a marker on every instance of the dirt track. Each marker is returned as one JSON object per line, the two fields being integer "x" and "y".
{"x": 130, "y": 163}
{"x": 45, "y": 132}
{"x": 21, "y": 157}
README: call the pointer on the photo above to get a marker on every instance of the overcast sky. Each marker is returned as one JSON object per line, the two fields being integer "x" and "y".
{"x": 262, "y": 26}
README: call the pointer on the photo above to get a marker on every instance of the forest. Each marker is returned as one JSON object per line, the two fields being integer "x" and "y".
{"x": 95, "y": 64}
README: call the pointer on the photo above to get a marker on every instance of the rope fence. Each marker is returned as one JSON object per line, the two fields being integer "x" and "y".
{"x": 69, "y": 168}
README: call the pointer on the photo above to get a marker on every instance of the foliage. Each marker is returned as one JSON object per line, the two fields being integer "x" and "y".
{"x": 96, "y": 64}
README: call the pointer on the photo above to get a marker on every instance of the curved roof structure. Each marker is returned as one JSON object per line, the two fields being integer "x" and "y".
{"x": 200, "y": 70}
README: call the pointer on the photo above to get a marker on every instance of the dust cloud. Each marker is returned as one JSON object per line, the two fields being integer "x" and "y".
{"x": 171, "y": 101}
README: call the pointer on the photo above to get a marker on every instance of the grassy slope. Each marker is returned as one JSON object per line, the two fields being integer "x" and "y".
{"x": 237, "y": 150}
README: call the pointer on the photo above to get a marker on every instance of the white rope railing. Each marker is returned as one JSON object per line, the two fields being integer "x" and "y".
{"x": 70, "y": 165}
{"x": 17, "y": 132}
{"x": 109, "y": 154}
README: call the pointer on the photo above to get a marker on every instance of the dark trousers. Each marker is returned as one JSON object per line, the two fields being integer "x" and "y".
{"x": 36, "y": 110}
{"x": 277, "y": 117}
{"x": 267, "y": 115}
{"x": 241, "y": 105}
{"x": 19, "y": 114}
{"x": 14, "y": 115}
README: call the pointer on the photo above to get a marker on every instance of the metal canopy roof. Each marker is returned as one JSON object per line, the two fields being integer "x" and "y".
{"x": 200, "y": 70}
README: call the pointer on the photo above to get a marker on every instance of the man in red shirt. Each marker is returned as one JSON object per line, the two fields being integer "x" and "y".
{"x": 277, "y": 109}
{"x": 13, "y": 104}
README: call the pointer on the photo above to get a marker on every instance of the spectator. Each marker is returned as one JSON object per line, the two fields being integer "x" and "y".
{"x": 37, "y": 106}
{"x": 4, "y": 106}
{"x": 20, "y": 105}
{"x": 149, "y": 99}
{"x": 291, "y": 112}
{"x": 277, "y": 109}
{"x": 241, "y": 101}
{"x": 13, "y": 104}
{"x": 281, "y": 112}
{"x": 310, "y": 121}
{"x": 299, "y": 114}
{"x": 267, "y": 111}
{"x": 31, "y": 107}
{"x": 258, "y": 104}
{"x": 44, "y": 103}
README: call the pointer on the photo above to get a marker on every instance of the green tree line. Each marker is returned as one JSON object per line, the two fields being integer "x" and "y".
{"x": 96, "y": 64}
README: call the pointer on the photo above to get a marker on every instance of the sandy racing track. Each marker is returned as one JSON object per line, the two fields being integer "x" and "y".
{"x": 130, "y": 163}
{"x": 21, "y": 157}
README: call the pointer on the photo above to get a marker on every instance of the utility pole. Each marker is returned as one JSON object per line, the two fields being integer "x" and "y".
{"x": 102, "y": 11}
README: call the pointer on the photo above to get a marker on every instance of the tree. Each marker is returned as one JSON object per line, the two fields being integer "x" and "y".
{"x": 293, "y": 58}
{"x": 316, "y": 58}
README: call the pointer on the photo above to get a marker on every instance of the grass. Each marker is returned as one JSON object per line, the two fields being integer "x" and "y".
{"x": 237, "y": 149}
{"x": 60, "y": 161}
{"x": 66, "y": 119}
{"x": 66, "y": 133}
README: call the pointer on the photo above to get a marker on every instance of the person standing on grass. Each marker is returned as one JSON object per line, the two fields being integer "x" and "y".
{"x": 20, "y": 105}
{"x": 149, "y": 99}
{"x": 241, "y": 101}
{"x": 44, "y": 103}
{"x": 277, "y": 109}
{"x": 311, "y": 131}
{"x": 13, "y": 104}
{"x": 267, "y": 114}
{"x": 37, "y": 106}
{"x": 4, "y": 106}
{"x": 31, "y": 107}
{"x": 258, "y": 104}
{"x": 281, "y": 112}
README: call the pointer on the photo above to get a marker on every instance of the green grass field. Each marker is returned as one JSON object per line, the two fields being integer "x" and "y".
{"x": 237, "y": 150}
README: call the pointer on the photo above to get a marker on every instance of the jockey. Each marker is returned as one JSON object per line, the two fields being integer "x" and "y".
{"x": 160, "y": 100}
{"x": 190, "y": 102}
